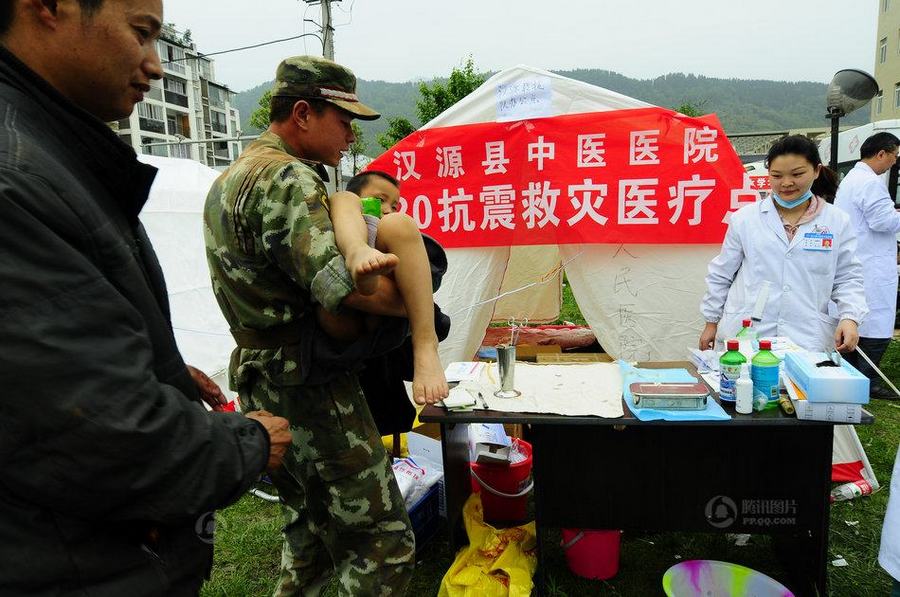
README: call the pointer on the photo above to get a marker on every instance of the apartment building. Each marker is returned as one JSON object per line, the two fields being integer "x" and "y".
{"x": 886, "y": 104}
{"x": 187, "y": 104}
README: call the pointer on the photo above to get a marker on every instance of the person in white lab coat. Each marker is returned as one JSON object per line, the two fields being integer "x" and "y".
{"x": 876, "y": 221}
{"x": 795, "y": 248}
{"x": 889, "y": 554}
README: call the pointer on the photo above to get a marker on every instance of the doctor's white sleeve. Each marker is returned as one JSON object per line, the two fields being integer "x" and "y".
{"x": 720, "y": 275}
{"x": 848, "y": 292}
{"x": 878, "y": 208}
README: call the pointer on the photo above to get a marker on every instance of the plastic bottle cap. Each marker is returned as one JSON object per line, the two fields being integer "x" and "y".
{"x": 732, "y": 344}
{"x": 765, "y": 345}
{"x": 747, "y": 323}
{"x": 745, "y": 370}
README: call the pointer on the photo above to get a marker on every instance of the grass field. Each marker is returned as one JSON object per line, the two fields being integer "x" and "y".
{"x": 248, "y": 541}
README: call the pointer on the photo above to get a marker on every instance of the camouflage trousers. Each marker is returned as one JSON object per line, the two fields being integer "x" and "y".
{"x": 344, "y": 514}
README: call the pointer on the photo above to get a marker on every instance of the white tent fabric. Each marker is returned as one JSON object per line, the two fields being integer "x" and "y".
{"x": 173, "y": 218}
{"x": 641, "y": 301}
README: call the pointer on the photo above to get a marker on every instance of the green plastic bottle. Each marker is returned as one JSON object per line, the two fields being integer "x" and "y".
{"x": 747, "y": 339}
{"x": 729, "y": 370}
{"x": 371, "y": 206}
{"x": 764, "y": 373}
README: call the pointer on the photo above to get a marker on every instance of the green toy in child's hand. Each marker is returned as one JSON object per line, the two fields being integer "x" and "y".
{"x": 371, "y": 206}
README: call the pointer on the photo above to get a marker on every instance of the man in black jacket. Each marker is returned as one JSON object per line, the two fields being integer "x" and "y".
{"x": 109, "y": 465}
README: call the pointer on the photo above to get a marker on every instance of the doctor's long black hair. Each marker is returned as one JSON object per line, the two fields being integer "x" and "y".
{"x": 825, "y": 186}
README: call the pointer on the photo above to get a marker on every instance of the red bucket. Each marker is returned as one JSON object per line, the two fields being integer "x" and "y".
{"x": 506, "y": 486}
{"x": 592, "y": 554}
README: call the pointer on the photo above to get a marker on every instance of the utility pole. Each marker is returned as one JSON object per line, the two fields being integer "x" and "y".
{"x": 327, "y": 33}
{"x": 327, "y": 30}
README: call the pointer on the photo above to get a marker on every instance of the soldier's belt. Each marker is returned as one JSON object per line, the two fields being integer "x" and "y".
{"x": 274, "y": 337}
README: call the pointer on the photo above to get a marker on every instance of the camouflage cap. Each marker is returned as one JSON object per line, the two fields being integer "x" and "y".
{"x": 315, "y": 77}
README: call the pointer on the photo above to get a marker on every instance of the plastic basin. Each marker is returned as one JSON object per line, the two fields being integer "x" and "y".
{"x": 711, "y": 578}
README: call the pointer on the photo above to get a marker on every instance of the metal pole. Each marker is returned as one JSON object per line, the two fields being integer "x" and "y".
{"x": 835, "y": 120}
{"x": 327, "y": 30}
{"x": 199, "y": 141}
{"x": 328, "y": 52}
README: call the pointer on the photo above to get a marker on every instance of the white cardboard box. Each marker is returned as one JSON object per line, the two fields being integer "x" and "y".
{"x": 832, "y": 412}
{"x": 842, "y": 384}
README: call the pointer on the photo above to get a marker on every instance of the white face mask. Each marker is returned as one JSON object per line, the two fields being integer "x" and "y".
{"x": 792, "y": 204}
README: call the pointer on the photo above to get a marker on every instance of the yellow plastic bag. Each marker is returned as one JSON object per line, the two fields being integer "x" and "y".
{"x": 497, "y": 562}
{"x": 388, "y": 442}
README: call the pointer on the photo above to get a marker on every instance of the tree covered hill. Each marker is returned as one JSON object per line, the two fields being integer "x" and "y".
{"x": 742, "y": 105}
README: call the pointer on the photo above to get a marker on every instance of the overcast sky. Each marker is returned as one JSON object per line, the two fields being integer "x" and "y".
{"x": 403, "y": 40}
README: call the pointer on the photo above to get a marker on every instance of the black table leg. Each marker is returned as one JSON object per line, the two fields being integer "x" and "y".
{"x": 808, "y": 553}
{"x": 533, "y": 436}
{"x": 820, "y": 534}
{"x": 457, "y": 481}
{"x": 805, "y": 553}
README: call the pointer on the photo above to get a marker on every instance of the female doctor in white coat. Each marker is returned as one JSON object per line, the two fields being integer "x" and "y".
{"x": 797, "y": 248}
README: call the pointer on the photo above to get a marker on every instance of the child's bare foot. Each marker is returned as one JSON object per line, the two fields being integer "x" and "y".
{"x": 429, "y": 382}
{"x": 366, "y": 264}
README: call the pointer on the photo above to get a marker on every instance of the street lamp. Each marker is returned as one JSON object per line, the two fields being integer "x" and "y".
{"x": 850, "y": 89}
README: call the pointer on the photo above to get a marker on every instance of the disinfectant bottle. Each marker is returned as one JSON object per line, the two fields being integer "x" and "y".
{"x": 764, "y": 372}
{"x": 729, "y": 370}
{"x": 743, "y": 391}
{"x": 747, "y": 340}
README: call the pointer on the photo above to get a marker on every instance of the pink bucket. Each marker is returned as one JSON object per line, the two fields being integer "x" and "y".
{"x": 592, "y": 554}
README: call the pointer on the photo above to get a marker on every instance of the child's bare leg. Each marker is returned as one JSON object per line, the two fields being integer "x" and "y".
{"x": 364, "y": 263}
{"x": 398, "y": 234}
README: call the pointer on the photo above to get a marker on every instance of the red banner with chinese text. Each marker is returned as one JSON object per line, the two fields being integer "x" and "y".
{"x": 646, "y": 175}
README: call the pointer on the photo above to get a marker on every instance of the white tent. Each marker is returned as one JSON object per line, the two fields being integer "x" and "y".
{"x": 641, "y": 301}
{"x": 173, "y": 218}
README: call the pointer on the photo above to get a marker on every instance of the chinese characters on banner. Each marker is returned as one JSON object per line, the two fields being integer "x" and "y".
{"x": 761, "y": 183}
{"x": 644, "y": 175}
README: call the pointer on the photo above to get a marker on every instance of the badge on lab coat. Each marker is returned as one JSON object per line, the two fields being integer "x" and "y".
{"x": 817, "y": 241}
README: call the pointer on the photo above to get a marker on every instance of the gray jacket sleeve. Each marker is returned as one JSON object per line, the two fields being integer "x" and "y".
{"x": 85, "y": 425}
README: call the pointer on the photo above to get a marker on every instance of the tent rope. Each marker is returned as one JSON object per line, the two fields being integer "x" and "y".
{"x": 545, "y": 278}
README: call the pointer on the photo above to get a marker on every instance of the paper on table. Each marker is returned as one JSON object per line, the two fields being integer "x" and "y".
{"x": 704, "y": 360}
{"x": 782, "y": 345}
{"x": 459, "y": 398}
{"x": 566, "y": 389}
{"x": 461, "y": 371}
{"x": 711, "y": 379}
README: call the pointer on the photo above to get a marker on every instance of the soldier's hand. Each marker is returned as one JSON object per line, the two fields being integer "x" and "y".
{"x": 279, "y": 436}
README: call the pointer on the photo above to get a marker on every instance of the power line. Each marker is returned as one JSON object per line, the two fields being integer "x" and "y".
{"x": 303, "y": 26}
{"x": 348, "y": 12}
{"x": 259, "y": 45}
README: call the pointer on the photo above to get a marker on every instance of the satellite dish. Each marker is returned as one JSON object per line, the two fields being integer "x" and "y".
{"x": 850, "y": 89}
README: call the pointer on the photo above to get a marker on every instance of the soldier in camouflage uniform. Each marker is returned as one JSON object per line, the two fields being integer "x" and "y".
{"x": 272, "y": 255}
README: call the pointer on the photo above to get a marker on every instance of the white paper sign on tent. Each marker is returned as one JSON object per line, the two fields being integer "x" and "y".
{"x": 528, "y": 97}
